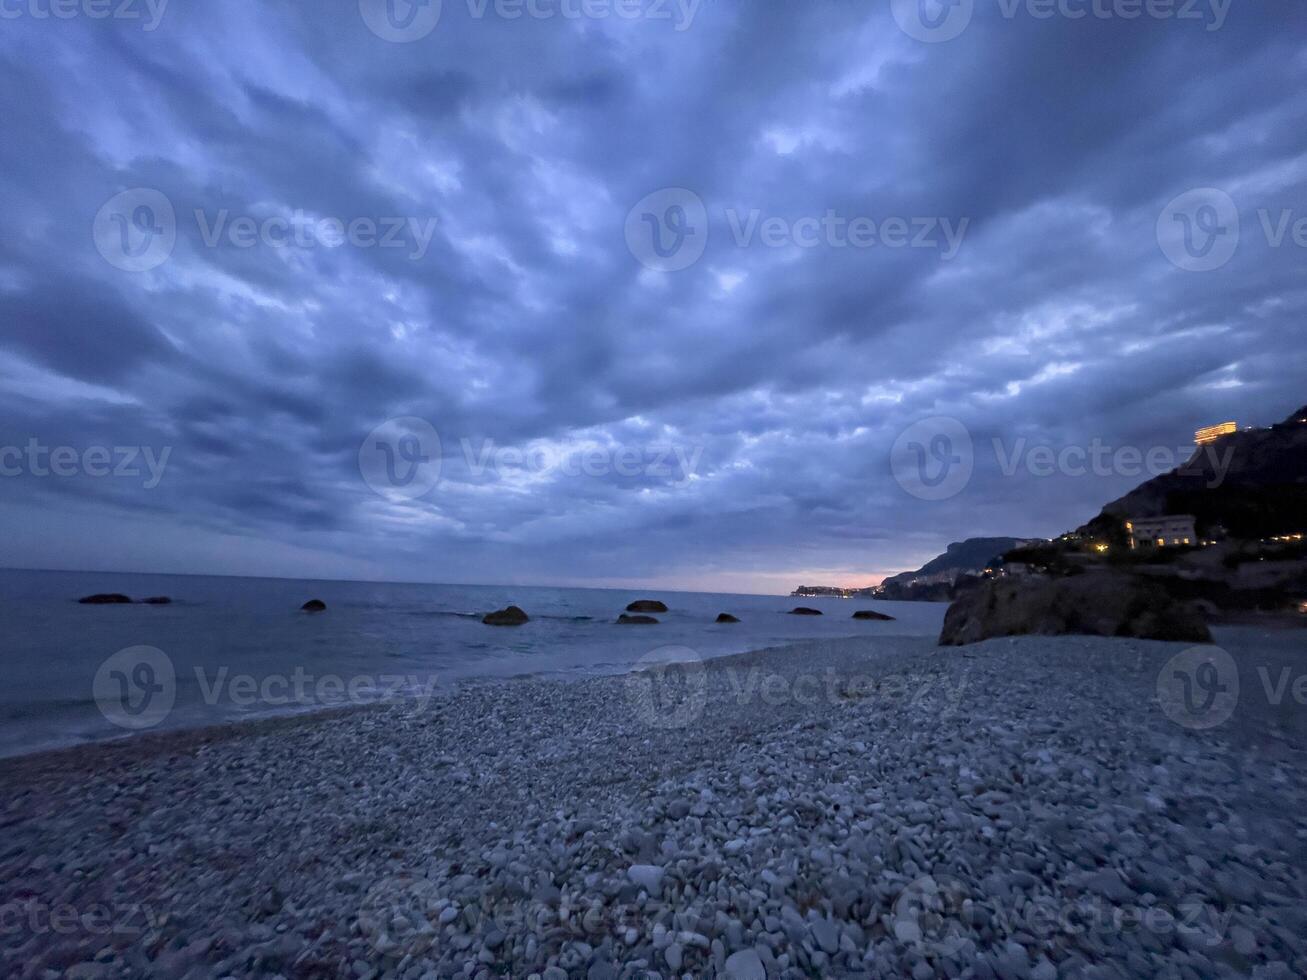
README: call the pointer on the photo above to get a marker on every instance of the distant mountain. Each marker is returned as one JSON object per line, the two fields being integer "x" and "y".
{"x": 935, "y": 579}
{"x": 1252, "y": 483}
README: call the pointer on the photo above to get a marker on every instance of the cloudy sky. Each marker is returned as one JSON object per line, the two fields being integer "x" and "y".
{"x": 716, "y": 295}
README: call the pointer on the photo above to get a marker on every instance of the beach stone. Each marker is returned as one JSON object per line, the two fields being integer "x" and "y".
{"x": 745, "y": 965}
{"x": 1245, "y": 943}
{"x": 647, "y": 876}
{"x": 1108, "y": 884}
{"x": 526, "y": 822}
{"x": 1012, "y": 963}
{"x": 674, "y": 955}
{"x": 907, "y": 930}
{"x": 826, "y": 934}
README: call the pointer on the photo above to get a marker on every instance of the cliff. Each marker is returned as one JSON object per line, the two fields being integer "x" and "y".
{"x": 1252, "y": 483}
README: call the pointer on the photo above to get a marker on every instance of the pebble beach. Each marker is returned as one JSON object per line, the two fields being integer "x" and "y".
{"x": 854, "y": 808}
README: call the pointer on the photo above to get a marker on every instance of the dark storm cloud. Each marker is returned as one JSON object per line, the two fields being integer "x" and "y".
{"x": 80, "y": 329}
{"x": 727, "y": 425}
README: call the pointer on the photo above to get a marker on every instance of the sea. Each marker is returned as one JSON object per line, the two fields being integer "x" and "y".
{"x": 230, "y": 648}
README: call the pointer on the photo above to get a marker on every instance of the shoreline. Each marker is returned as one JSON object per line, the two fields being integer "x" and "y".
{"x": 273, "y": 718}
{"x": 815, "y": 807}
{"x": 159, "y": 739}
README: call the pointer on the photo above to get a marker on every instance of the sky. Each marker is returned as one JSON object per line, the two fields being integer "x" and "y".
{"x": 711, "y": 295}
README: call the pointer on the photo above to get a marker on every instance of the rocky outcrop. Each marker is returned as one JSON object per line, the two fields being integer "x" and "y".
{"x": 1252, "y": 483}
{"x": 314, "y": 606}
{"x": 646, "y": 606}
{"x": 727, "y": 618}
{"x": 804, "y": 611}
{"x": 625, "y": 620}
{"x": 512, "y": 616}
{"x": 1100, "y": 604}
{"x": 871, "y": 614}
{"x": 105, "y": 599}
{"x": 158, "y": 600}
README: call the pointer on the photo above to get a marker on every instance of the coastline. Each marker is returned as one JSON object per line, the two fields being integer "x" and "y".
{"x": 233, "y": 650}
{"x": 173, "y": 738}
{"x": 778, "y": 804}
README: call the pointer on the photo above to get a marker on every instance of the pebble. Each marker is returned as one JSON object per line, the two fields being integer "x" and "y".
{"x": 548, "y": 830}
{"x": 674, "y": 956}
{"x": 647, "y": 876}
{"x": 745, "y": 965}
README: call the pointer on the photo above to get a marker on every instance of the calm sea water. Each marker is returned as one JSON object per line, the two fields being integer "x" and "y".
{"x": 229, "y": 648}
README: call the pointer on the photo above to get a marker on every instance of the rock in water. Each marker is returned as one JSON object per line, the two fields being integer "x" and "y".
{"x": 870, "y": 614}
{"x": 1095, "y": 604}
{"x": 804, "y": 611}
{"x": 727, "y": 618}
{"x": 314, "y": 605}
{"x": 625, "y": 620}
{"x": 157, "y": 600}
{"x": 646, "y": 606}
{"x": 512, "y": 616}
{"x": 105, "y": 599}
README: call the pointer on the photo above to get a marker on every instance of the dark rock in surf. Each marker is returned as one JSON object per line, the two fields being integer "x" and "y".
{"x": 870, "y": 614}
{"x": 727, "y": 618}
{"x": 646, "y": 606}
{"x": 105, "y": 599}
{"x": 158, "y": 600}
{"x": 314, "y": 605}
{"x": 625, "y": 620}
{"x": 804, "y": 611}
{"x": 512, "y": 616}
